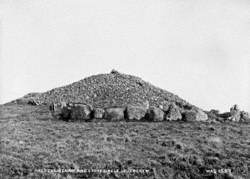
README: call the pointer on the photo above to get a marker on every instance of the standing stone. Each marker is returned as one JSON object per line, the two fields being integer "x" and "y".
{"x": 234, "y": 108}
{"x": 201, "y": 115}
{"x": 81, "y": 112}
{"x": 60, "y": 111}
{"x": 155, "y": 114}
{"x": 55, "y": 110}
{"x": 195, "y": 115}
{"x": 114, "y": 114}
{"x": 235, "y": 113}
{"x": 165, "y": 106}
{"x": 173, "y": 114}
{"x": 65, "y": 113}
{"x": 135, "y": 112}
{"x": 99, "y": 113}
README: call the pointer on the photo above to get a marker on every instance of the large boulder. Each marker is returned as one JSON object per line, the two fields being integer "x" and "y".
{"x": 81, "y": 112}
{"x": 135, "y": 112}
{"x": 155, "y": 114}
{"x": 60, "y": 111}
{"x": 195, "y": 115}
{"x": 114, "y": 114}
{"x": 201, "y": 115}
{"x": 173, "y": 113}
{"x": 65, "y": 113}
{"x": 165, "y": 106}
{"x": 99, "y": 113}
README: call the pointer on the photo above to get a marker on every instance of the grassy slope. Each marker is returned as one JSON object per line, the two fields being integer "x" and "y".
{"x": 30, "y": 139}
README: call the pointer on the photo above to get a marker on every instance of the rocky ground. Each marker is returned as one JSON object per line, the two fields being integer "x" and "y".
{"x": 106, "y": 90}
{"x": 30, "y": 139}
{"x": 118, "y": 126}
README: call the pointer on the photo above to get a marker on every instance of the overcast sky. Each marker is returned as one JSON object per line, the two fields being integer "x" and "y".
{"x": 197, "y": 49}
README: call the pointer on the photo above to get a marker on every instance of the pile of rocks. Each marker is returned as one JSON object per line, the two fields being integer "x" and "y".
{"x": 116, "y": 96}
{"x": 235, "y": 115}
{"x": 141, "y": 112}
{"x": 111, "y": 89}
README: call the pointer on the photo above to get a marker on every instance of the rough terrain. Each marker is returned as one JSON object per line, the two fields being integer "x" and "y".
{"x": 30, "y": 139}
{"x": 106, "y": 90}
{"x": 175, "y": 143}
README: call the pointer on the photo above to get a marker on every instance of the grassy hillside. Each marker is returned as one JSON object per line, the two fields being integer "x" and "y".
{"x": 31, "y": 140}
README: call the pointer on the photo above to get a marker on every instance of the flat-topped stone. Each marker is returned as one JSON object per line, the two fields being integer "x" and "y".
{"x": 114, "y": 114}
{"x": 135, "y": 112}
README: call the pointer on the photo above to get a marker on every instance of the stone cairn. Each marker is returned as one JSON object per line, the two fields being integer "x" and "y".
{"x": 142, "y": 112}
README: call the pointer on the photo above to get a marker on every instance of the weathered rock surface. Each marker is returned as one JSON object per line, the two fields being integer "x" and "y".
{"x": 81, "y": 112}
{"x": 65, "y": 114}
{"x": 173, "y": 113}
{"x": 165, "y": 106}
{"x": 155, "y": 114}
{"x": 114, "y": 114}
{"x": 112, "y": 89}
{"x": 235, "y": 113}
{"x": 72, "y": 112}
{"x": 99, "y": 113}
{"x": 245, "y": 116}
{"x": 117, "y": 89}
{"x": 183, "y": 149}
{"x": 59, "y": 111}
{"x": 135, "y": 112}
{"x": 195, "y": 115}
{"x": 141, "y": 112}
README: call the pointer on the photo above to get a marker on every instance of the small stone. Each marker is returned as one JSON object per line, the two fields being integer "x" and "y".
{"x": 113, "y": 71}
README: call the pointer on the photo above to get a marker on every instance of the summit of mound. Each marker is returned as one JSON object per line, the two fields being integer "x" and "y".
{"x": 112, "y": 89}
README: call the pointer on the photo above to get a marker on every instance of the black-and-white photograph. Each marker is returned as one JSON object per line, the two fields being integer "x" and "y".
{"x": 125, "y": 89}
